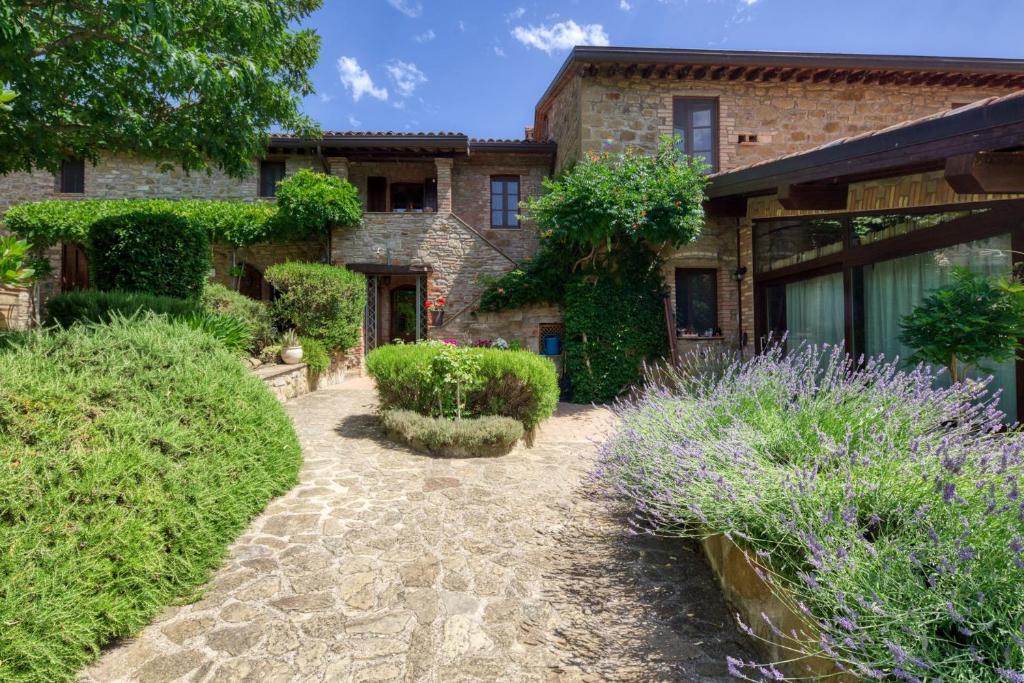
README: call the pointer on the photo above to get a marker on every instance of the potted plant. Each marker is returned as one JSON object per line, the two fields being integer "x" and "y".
{"x": 436, "y": 308}
{"x": 291, "y": 349}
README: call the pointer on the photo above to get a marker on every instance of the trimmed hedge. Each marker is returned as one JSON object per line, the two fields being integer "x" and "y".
{"x": 126, "y": 475}
{"x": 469, "y": 437}
{"x": 320, "y": 301}
{"x": 90, "y": 306}
{"x": 516, "y": 384}
{"x": 58, "y": 220}
{"x": 155, "y": 252}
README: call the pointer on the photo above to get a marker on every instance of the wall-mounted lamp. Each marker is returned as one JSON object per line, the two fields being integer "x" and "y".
{"x": 739, "y": 273}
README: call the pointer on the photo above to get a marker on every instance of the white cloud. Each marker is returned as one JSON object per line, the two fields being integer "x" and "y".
{"x": 353, "y": 121}
{"x": 426, "y": 36}
{"x": 405, "y": 75}
{"x": 355, "y": 78}
{"x": 324, "y": 97}
{"x": 517, "y": 13}
{"x": 625, "y": 6}
{"x": 462, "y": 25}
{"x": 410, "y": 8}
{"x": 560, "y": 36}
{"x": 498, "y": 51}
{"x": 748, "y": 3}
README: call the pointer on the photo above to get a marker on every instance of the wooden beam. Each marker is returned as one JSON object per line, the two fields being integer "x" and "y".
{"x": 726, "y": 207}
{"x": 986, "y": 173}
{"x": 813, "y": 197}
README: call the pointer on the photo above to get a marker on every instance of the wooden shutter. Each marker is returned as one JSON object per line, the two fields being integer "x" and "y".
{"x": 376, "y": 194}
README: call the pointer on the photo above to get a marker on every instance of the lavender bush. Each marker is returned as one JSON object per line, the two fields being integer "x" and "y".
{"x": 885, "y": 510}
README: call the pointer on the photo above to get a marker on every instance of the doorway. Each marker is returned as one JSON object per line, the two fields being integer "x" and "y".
{"x": 403, "y": 313}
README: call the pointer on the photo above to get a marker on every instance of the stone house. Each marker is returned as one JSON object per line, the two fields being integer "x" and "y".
{"x": 440, "y": 213}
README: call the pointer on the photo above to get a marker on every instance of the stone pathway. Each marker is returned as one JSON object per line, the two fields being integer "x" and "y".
{"x": 386, "y": 565}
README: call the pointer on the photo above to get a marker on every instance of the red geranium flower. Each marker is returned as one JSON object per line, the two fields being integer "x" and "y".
{"x": 440, "y": 301}
{"x": 428, "y": 303}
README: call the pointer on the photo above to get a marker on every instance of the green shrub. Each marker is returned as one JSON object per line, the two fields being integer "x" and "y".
{"x": 516, "y": 384}
{"x": 312, "y": 203}
{"x": 231, "y": 332}
{"x": 133, "y": 453}
{"x": 155, "y": 252}
{"x": 477, "y": 436}
{"x": 256, "y": 315}
{"x": 315, "y": 355}
{"x": 91, "y": 306}
{"x": 10, "y": 339}
{"x": 320, "y": 301}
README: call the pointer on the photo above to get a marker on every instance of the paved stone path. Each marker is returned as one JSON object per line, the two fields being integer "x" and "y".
{"x": 386, "y": 565}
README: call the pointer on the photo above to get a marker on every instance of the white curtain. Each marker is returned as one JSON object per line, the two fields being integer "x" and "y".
{"x": 814, "y": 311}
{"x": 892, "y": 289}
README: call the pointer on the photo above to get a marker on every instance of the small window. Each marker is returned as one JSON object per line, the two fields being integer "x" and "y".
{"x": 271, "y": 173}
{"x": 376, "y": 194}
{"x": 697, "y": 300}
{"x": 695, "y": 123}
{"x": 72, "y": 176}
{"x": 505, "y": 201}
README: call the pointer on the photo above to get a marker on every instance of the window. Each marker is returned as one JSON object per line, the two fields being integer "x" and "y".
{"x": 407, "y": 197}
{"x": 695, "y": 122}
{"x": 505, "y": 201}
{"x": 376, "y": 194}
{"x": 697, "y": 301}
{"x": 72, "y": 176}
{"x": 271, "y": 173}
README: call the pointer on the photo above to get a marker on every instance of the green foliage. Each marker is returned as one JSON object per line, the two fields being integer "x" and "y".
{"x": 972, "y": 319}
{"x": 312, "y": 203}
{"x": 255, "y": 315}
{"x": 599, "y": 223}
{"x": 457, "y": 371}
{"x": 229, "y": 222}
{"x": 6, "y": 97}
{"x": 516, "y": 384}
{"x": 232, "y": 333}
{"x": 315, "y": 355}
{"x": 195, "y": 84}
{"x": 152, "y": 252}
{"x": 15, "y": 270}
{"x": 320, "y": 301}
{"x": 101, "y": 307}
{"x": 133, "y": 453}
{"x": 614, "y": 323}
{"x": 609, "y": 198}
{"x": 477, "y": 436}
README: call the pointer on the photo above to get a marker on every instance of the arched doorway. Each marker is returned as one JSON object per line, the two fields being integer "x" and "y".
{"x": 403, "y": 313}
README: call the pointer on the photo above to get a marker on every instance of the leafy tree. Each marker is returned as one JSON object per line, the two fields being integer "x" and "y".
{"x": 194, "y": 83}
{"x": 603, "y": 225}
{"x": 961, "y": 324}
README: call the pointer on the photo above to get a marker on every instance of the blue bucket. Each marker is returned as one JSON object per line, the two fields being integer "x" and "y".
{"x": 552, "y": 345}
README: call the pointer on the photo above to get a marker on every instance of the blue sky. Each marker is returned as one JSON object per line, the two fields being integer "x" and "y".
{"x": 479, "y": 67}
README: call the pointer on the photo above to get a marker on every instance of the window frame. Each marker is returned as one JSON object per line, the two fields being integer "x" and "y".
{"x": 71, "y": 179}
{"x": 504, "y": 179}
{"x": 686, "y": 106}
{"x": 261, "y": 187}
{"x": 683, "y": 291}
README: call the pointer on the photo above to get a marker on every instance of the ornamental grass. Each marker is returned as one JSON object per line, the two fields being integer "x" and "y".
{"x": 882, "y": 508}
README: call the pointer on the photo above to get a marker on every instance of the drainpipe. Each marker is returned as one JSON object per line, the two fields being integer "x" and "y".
{"x": 738, "y": 276}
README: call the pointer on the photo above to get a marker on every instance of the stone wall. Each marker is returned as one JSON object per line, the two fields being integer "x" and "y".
{"x": 563, "y": 123}
{"x": 519, "y": 324}
{"x": 260, "y": 256}
{"x": 786, "y": 117}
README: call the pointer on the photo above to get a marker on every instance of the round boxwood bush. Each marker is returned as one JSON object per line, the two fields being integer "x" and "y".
{"x": 319, "y": 301}
{"x": 132, "y": 454}
{"x": 155, "y": 252}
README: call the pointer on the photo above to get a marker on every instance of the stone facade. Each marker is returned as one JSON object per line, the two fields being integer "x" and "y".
{"x": 601, "y": 113}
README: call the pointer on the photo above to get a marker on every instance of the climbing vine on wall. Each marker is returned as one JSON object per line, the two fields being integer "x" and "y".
{"x": 602, "y": 225}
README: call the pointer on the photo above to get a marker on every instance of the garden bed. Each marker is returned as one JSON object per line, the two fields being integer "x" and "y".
{"x": 881, "y": 513}
{"x": 471, "y": 437}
